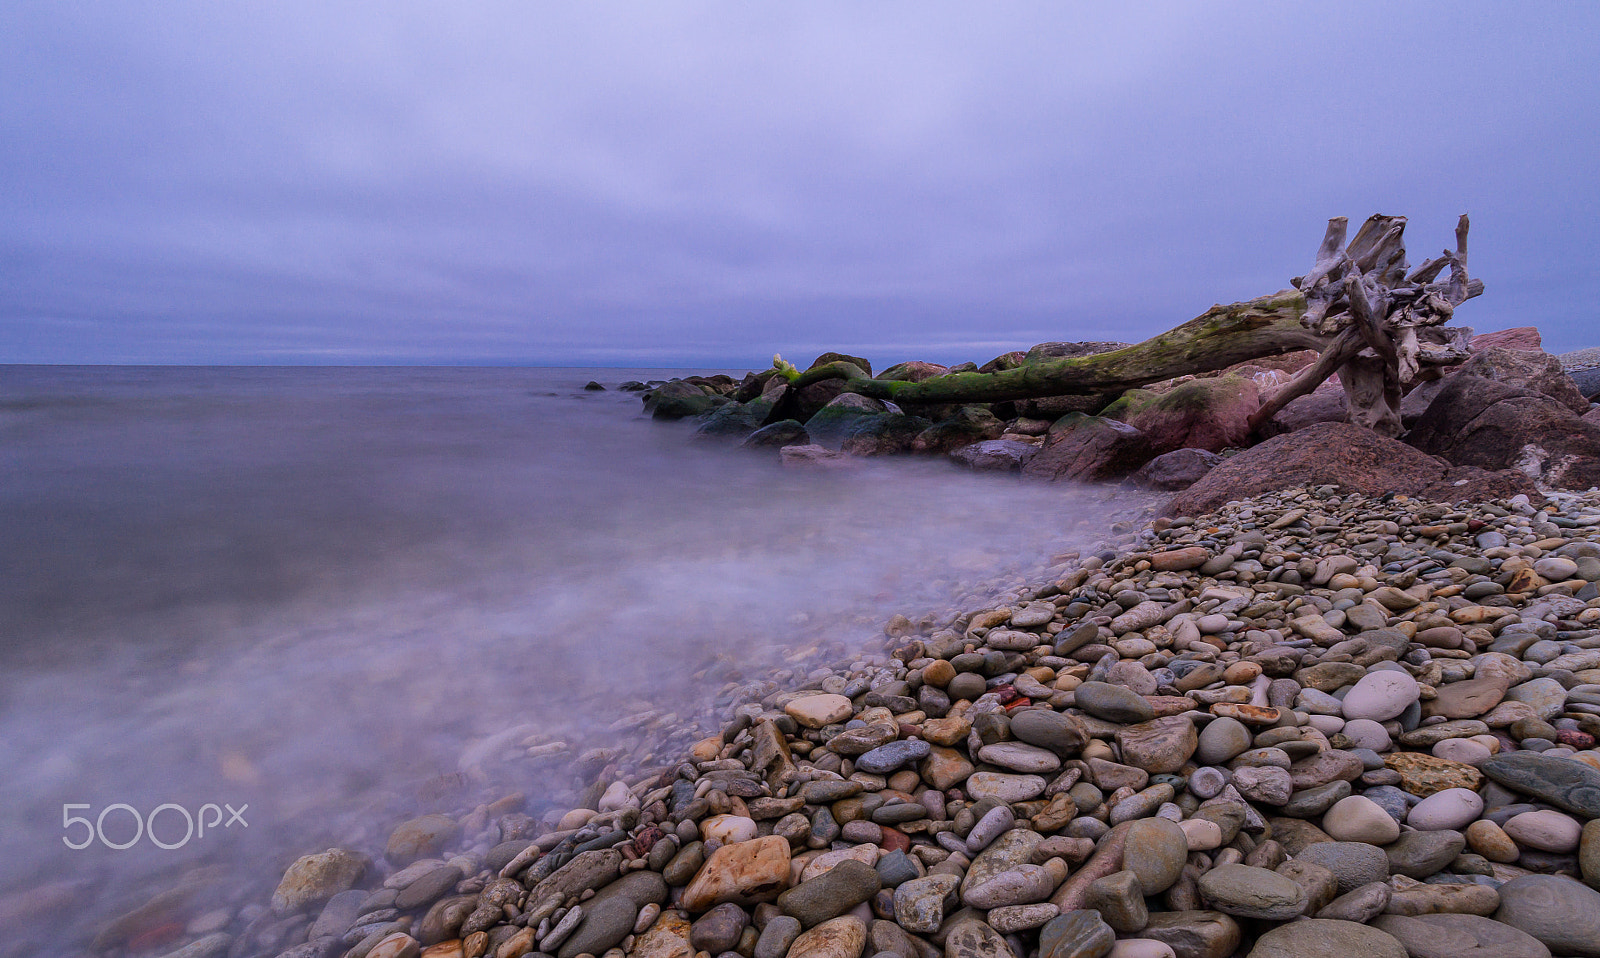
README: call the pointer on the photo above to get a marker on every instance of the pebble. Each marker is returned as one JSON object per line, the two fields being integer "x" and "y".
{"x": 1360, "y": 819}
{"x": 1452, "y": 808}
{"x": 1547, "y": 831}
{"x": 1561, "y": 913}
{"x": 1381, "y": 695}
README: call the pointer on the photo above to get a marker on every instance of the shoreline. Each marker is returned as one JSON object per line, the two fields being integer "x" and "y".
{"x": 728, "y": 789}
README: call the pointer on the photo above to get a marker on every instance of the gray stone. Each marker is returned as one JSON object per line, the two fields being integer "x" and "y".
{"x": 1120, "y": 901}
{"x": 891, "y": 757}
{"x": 831, "y": 893}
{"x": 1460, "y": 936}
{"x": 1076, "y": 934}
{"x": 1155, "y": 849}
{"x": 780, "y": 933}
{"x": 919, "y": 903}
{"x": 1112, "y": 703}
{"x": 1567, "y": 784}
{"x": 1421, "y": 854}
{"x": 1221, "y": 740}
{"x": 1062, "y": 734}
{"x": 718, "y": 930}
{"x": 1325, "y": 938}
{"x": 1249, "y": 892}
{"x": 1561, "y": 912}
{"x": 1353, "y": 863}
{"x": 603, "y": 927}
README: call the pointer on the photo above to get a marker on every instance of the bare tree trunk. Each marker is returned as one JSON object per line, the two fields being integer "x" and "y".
{"x": 1379, "y": 328}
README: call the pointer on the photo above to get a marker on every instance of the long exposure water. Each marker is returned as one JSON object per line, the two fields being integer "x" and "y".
{"x": 308, "y": 590}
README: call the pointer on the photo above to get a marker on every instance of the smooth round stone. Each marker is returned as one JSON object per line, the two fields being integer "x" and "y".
{"x": 1452, "y": 809}
{"x": 1141, "y": 948}
{"x": 1463, "y": 750}
{"x": 1327, "y": 938}
{"x": 1460, "y": 936}
{"x": 1326, "y": 724}
{"x": 1201, "y": 834}
{"x": 1556, "y": 568}
{"x": 888, "y": 758}
{"x": 1207, "y": 782}
{"x": 1490, "y": 840}
{"x": 815, "y": 711}
{"x": 1420, "y": 854}
{"x": 1381, "y": 695}
{"x": 1360, "y": 819}
{"x": 728, "y": 829}
{"x": 1221, "y": 740}
{"x": 1249, "y": 892}
{"x": 1113, "y": 703}
{"x": 1062, "y": 734}
{"x": 1004, "y": 788}
{"x": 1354, "y": 863}
{"x": 1018, "y": 757}
{"x": 1546, "y": 831}
{"x": 1365, "y": 733}
{"x": 1562, "y": 913}
{"x": 1155, "y": 849}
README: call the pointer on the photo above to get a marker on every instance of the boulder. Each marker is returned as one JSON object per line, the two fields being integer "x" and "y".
{"x": 1211, "y": 414}
{"x": 1476, "y": 421}
{"x": 829, "y": 426}
{"x": 1520, "y": 337}
{"x": 885, "y": 434}
{"x": 912, "y": 372}
{"x": 1177, "y": 470}
{"x": 968, "y": 425}
{"x": 995, "y": 455}
{"x": 785, "y": 432}
{"x": 1348, "y": 456}
{"x": 1088, "y": 449}
{"x": 679, "y": 400}
{"x": 733, "y": 420}
{"x": 1327, "y": 403}
{"x": 1536, "y": 370}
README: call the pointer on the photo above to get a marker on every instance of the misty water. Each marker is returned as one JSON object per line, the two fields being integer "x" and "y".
{"x": 314, "y": 591}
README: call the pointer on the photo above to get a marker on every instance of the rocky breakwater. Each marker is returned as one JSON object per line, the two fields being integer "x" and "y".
{"x": 1306, "y": 724}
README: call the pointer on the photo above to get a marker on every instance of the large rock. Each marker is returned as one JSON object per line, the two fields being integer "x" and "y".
{"x": 1211, "y": 414}
{"x": 1084, "y": 448}
{"x": 1044, "y": 351}
{"x": 784, "y": 432}
{"x": 1177, "y": 470}
{"x": 1536, "y": 370}
{"x": 885, "y": 434}
{"x": 995, "y": 455}
{"x": 968, "y": 425}
{"x": 1559, "y": 911}
{"x": 912, "y": 372}
{"x": 734, "y": 420}
{"x": 832, "y": 423}
{"x": 1492, "y": 425}
{"x": 679, "y": 400}
{"x": 1326, "y": 403}
{"x": 1344, "y": 455}
{"x": 1519, "y": 337}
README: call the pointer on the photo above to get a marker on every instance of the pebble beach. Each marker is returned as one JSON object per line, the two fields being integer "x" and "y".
{"x": 1309, "y": 723}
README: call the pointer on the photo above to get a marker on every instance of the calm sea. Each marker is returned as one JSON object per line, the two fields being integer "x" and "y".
{"x": 314, "y": 591}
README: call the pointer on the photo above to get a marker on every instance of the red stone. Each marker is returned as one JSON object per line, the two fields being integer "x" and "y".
{"x": 895, "y": 840}
{"x": 1575, "y": 738}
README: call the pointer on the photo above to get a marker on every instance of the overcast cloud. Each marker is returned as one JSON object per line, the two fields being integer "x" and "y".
{"x": 670, "y": 184}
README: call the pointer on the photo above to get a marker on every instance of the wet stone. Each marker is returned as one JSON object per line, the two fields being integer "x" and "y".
{"x": 893, "y": 756}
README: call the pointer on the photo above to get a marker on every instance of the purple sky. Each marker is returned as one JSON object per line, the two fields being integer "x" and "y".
{"x": 598, "y": 183}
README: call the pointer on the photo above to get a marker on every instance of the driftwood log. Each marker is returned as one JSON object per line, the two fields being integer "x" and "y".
{"x": 1376, "y": 323}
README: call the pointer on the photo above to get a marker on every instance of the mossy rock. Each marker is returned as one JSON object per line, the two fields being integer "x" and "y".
{"x": 970, "y": 424}
{"x": 679, "y": 399}
{"x": 784, "y": 432}
{"x": 830, "y": 424}
{"x": 886, "y": 434}
{"x": 912, "y": 372}
{"x": 733, "y": 420}
{"x": 827, "y": 358}
{"x": 1003, "y": 362}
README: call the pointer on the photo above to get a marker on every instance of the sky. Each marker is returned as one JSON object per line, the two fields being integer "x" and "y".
{"x": 709, "y": 183}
